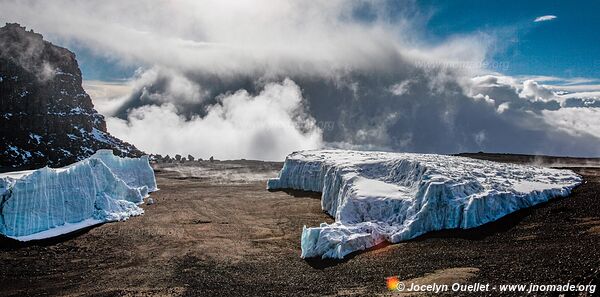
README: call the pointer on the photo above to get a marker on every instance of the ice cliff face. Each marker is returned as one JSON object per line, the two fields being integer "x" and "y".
{"x": 46, "y": 117}
{"x": 48, "y": 202}
{"x": 135, "y": 172}
{"x": 377, "y": 197}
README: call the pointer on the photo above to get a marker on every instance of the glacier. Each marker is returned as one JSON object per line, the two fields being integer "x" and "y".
{"x": 48, "y": 202}
{"x": 379, "y": 196}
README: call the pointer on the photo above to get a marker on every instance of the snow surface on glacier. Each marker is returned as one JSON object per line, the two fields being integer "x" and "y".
{"x": 377, "y": 196}
{"x": 47, "y": 202}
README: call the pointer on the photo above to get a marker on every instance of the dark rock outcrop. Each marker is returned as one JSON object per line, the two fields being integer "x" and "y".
{"x": 46, "y": 117}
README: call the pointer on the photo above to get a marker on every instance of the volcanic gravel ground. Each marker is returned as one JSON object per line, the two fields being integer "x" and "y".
{"x": 215, "y": 231}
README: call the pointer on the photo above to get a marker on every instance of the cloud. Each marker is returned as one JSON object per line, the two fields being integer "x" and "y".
{"x": 544, "y": 18}
{"x": 533, "y": 91}
{"x": 568, "y": 116}
{"x": 575, "y": 121}
{"x": 108, "y": 96}
{"x": 267, "y": 126}
{"x": 259, "y": 79}
{"x": 240, "y": 37}
{"x": 400, "y": 88}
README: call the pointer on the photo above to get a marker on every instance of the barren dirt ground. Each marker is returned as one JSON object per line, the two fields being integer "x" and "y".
{"x": 215, "y": 231}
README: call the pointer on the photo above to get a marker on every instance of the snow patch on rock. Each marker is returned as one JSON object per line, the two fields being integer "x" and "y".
{"x": 378, "y": 196}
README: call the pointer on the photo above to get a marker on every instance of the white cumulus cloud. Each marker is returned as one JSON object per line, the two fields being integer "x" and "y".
{"x": 267, "y": 126}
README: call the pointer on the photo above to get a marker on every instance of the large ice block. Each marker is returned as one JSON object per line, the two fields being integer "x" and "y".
{"x": 47, "y": 202}
{"x": 378, "y": 196}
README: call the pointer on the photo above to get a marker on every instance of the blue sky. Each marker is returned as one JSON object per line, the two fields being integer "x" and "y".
{"x": 96, "y": 67}
{"x": 568, "y": 46}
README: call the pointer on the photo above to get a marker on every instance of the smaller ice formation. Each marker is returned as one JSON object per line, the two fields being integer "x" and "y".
{"x": 376, "y": 196}
{"x": 47, "y": 202}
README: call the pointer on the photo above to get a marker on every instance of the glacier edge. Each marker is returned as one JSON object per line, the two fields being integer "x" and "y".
{"x": 376, "y": 196}
{"x": 47, "y": 202}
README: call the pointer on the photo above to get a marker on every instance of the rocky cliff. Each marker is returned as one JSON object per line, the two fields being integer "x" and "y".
{"x": 46, "y": 117}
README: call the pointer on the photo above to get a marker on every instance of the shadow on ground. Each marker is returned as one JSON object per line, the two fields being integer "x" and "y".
{"x": 7, "y": 243}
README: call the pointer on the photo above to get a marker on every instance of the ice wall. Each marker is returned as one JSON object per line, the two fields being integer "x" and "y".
{"x": 135, "y": 172}
{"x": 377, "y": 196}
{"x": 47, "y": 202}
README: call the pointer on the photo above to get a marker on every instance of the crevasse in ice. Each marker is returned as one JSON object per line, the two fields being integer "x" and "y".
{"x": 377, "y": 196}
{"x": 47, "y": 202}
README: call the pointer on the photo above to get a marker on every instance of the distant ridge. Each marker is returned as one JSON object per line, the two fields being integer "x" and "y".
{"x": 532, "y": 159}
